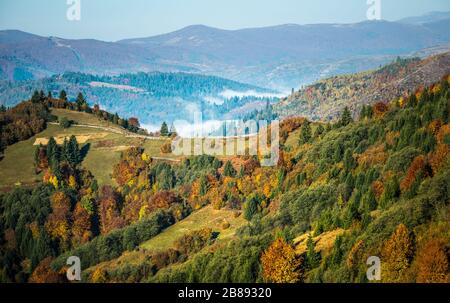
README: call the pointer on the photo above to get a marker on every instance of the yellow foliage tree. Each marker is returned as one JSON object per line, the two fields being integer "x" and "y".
{"x": 397, "y": 254}
{"x": 53, "y": 181}
{"x": 280, "y": 264}
{"x": 145, "y": 157}
{"x": 99, "y": 276}
{"x": 72, "y": 182}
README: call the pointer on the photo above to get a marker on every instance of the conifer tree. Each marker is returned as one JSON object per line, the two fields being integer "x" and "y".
{"x": 305, "y": 133}
{"x": 52, "y": 150}
{"x": 35, "y": 98}
{"x": 349, "y": 161}
{"x": 391, "y": 191}
{"x": 319, "y": 131}
{"x": 63, "y": 95}
{"x": 241, "y": 171}
{"x": 203, "y": 186}
{"x": 229, "y": 170}
{"x": 164, "y": 130}
{"x": 346, "y": 117}
{"x": 312, "y": 257}
{"x": 81, "y": 102}
{"x": 73, "y": 151}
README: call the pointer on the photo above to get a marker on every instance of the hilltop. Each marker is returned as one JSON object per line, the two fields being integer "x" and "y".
{"x": 101, "y": 140}
{"x": 326, "y": 99}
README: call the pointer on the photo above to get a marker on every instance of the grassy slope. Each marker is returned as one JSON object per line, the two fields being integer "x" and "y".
{"x": 204, "y": 218}
{"x": 18, "y": 163}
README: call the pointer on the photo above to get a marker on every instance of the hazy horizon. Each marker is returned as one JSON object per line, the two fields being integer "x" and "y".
{"x": 113, "y": 20}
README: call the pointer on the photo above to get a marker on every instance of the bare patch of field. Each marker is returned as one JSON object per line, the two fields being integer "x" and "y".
{"x": 323, "y": 242}
{"x": 80, "y": 138}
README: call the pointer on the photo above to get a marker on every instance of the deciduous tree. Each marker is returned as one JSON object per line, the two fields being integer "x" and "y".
{"x": 280, "y": 264}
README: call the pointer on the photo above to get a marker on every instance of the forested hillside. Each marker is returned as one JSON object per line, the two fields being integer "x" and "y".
{"x": 151, "y": 97}
{"x": 325, "y": 99}
{"x": 341, "y": 192}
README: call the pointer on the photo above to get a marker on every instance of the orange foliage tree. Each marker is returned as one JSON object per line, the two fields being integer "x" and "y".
{"x": 81, "y": 229}
{"x": 58, "y": 222}
{"x": 416, "y": 168}
{"x": 439, "y": 157}
{"x": 43, "y": 273}
{"x": 432, "y": 262}
{"x": 109, "y": 210}
{"x": 379, "y": 109}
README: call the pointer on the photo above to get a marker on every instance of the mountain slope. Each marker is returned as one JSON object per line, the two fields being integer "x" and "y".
{"x": 288, "y": 55}
{"x": 326, "y": 98}
{"x": 152, "y": 97}
{"x": 279, "y": 57}
{"x": 27, "y": 56}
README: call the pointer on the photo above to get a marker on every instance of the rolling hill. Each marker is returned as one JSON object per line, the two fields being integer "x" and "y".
{"x": 325, "y": 99}
{"x": 103, "y": 141}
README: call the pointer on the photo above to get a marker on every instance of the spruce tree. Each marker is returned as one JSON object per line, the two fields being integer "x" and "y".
{"x": 216, "y": 163}
{"x": 52, "y": 150}
{"x": 229, "y": 170}
{"x": 319, "y": 131}
{"x": 391, "y": 192}
{"x": 305, "y": 133}
{"x": 349, "y": 161}
{"x": 251, "y": 207}
{"x": 41, "y": 96}
{"x": 116, "y": 118}
{"x": 73, "y": 151}
{"x": 65, "y": 151}
{"x": 203, "y": 186}
{"x": 35, "y": 98}
{"x": 63, "y": 95}
{"x": 312, "y": 257}
{"x": 164, "y": 130}
{"x": 346, "y": 117}
{"x": 368, "y": 202}
{"x": 81, "y": 102}
{"x": 241, "y": 171}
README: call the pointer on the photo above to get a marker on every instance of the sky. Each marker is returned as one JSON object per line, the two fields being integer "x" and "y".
{"x": 112, "y": 20}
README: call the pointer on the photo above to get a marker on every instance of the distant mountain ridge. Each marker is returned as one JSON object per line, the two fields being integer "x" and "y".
{"x": 279, "y": 57}
{"x": 152, "y": 97}
{"x": 326, "y": 99}
{"x": 430, "y": 17}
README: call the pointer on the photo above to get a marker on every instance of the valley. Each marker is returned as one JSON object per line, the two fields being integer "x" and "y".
{"x": 91, "y": 166}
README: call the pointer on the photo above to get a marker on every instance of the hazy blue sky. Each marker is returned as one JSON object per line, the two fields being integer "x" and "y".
{"x": 117, "y": 19}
